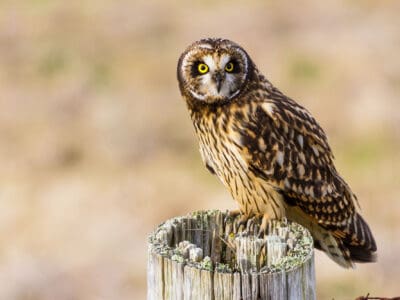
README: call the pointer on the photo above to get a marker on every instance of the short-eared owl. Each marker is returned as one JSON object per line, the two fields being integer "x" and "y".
{"x": 269, "y": 151}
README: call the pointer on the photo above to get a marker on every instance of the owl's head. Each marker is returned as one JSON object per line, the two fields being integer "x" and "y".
{"x": 213, "y": 70}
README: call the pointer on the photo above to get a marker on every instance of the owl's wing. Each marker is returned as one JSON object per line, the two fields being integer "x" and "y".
{"x": 290, "y": 150}
{"x": 285, "y": 146}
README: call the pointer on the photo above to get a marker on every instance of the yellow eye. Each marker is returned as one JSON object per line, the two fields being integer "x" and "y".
{"x": 229, "y": 67}
{"x": 202, "y": 68}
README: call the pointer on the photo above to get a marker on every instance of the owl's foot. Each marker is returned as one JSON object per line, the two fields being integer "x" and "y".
{"x": 242, "y": 222}
{"x": 264, "y": 225}
{"x": 243, "y": 219}
{"x": 232, "y": 214}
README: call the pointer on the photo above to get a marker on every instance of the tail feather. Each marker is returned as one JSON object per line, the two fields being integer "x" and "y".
{"x": 345, "y": 246}
{"x": 360, "y": 255}
{"x": 354, "y": 244}
{"x": 360, "y": 241}
{"x": 333, "y": 247}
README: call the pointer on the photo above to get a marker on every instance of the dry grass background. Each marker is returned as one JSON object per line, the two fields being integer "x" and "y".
{"x": 97, "y": 148}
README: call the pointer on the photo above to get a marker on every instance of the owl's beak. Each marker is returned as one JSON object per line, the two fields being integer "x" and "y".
{"x": 218, "y": 78}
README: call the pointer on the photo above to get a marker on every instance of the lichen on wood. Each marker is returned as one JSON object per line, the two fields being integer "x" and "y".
{"x": 209, "y": 255}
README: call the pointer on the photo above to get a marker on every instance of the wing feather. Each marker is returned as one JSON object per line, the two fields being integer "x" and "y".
{"x": 296, "y": 159}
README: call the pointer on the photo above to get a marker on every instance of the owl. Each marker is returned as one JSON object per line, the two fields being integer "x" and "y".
{"x": 269, "y": 151}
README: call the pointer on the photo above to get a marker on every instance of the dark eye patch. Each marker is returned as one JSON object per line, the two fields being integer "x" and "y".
{"x": 194, "y": 71}
{"x": 236, "y": 66}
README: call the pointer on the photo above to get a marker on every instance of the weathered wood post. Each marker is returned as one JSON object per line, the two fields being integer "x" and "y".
{"x": 209, "y": 255}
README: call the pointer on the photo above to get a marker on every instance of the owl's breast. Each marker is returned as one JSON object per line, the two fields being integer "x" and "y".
{"x": 223, "y": 157}
{"x": 223, "y": 154}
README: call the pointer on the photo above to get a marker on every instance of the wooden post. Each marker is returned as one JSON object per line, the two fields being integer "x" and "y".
{"x": 208, "y": 255}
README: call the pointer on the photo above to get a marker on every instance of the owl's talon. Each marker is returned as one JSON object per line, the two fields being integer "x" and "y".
{"x": 231, "y": 214}
{"x": 241, "y": 222}
{"x": 264, "y": 225}
{"x": 243, "y": 219}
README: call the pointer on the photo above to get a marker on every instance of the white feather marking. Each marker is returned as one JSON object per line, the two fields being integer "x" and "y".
{"x": 329, "y": 189}
{"x": 300, "y": 140}
{"x": 306, "y": 190}
{"x": 210, "y": 62}
{"x": 198, "y": 96}
{"x": 279, "y": 158}
{"x": 205, "y": 46}
{"x": 286, "y": 182}
{"x": 185, "y": 59}
{"x": 234, "y": 94}
{"x": 311, "y": 192}
{"x": 315, "y": 149}
{"x": 268, "y": 108}
{"x": 225, "y": 58}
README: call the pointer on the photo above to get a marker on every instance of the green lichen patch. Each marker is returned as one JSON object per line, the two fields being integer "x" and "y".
{"x": 195, "y": 239}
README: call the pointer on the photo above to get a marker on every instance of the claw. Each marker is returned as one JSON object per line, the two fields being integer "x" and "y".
{"x": 231, "y": 214}
{"x": 264, "y": 225}
{"x": 243, "y": 220}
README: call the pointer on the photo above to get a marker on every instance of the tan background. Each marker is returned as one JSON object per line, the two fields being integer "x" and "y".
{"x": 97, "y": 147}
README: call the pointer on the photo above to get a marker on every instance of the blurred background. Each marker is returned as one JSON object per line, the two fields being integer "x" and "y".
{"x": 97, "y": 148}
